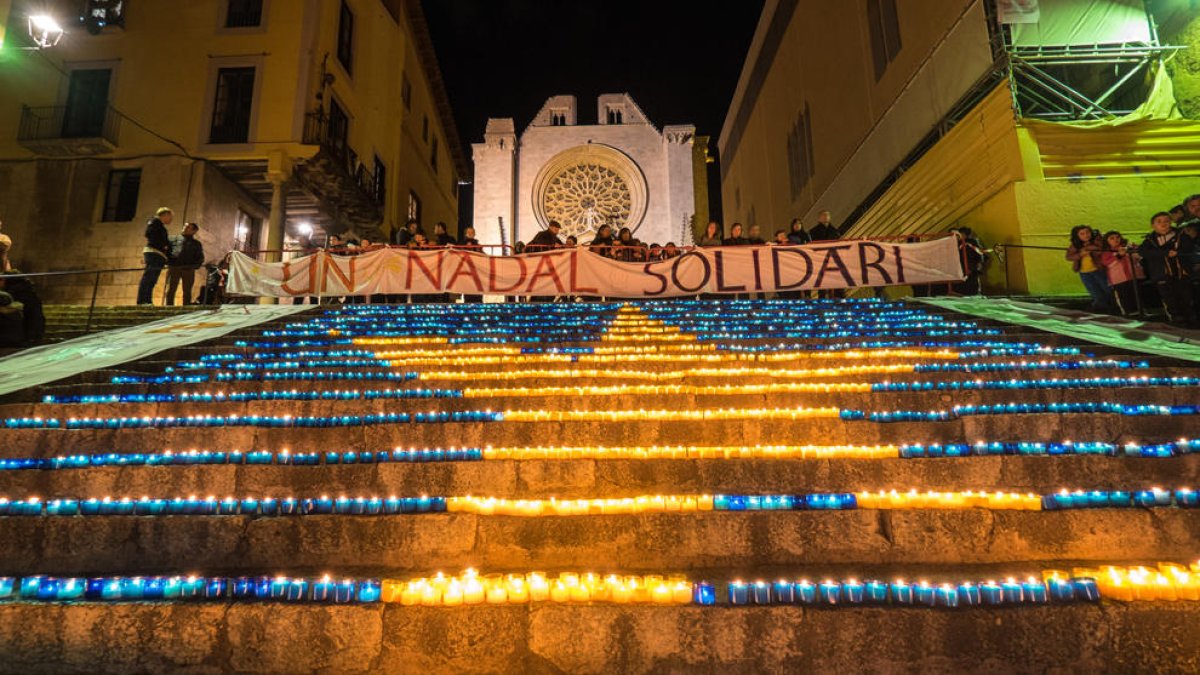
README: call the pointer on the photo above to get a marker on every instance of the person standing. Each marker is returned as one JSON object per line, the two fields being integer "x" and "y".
{"x": 735, "y": 237}
{"x": 546, "y": 240}
{"x": 1164, "y": 251}
{"x": 188, "y": 256}
{"x": 443, "y": 237}
{"x": 713, "y": 236}
{"x": 156, "y": 254}
{"x": 824, "y": 229}
{"x": 1084, "y": 256}
{"x": 797, "y": 236}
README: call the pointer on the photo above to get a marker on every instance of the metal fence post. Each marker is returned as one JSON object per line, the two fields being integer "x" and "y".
{"x": 92, "y": 307}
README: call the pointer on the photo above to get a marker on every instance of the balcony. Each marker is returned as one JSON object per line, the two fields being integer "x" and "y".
{"x": 60, "y": 131}
{"x": 335, "y": 175}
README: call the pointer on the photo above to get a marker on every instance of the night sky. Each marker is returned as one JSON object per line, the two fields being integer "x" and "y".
{"x": 678, "y": 59}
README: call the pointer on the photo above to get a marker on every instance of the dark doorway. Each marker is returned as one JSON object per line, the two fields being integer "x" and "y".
{"x": 87, "y": 104}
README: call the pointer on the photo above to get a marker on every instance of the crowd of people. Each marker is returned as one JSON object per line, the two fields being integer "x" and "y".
{"x": 1163, "y": 269}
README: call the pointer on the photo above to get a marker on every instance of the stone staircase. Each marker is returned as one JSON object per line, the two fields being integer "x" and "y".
{"x": 636, "y": 407}
{"x": 67, "y": 321}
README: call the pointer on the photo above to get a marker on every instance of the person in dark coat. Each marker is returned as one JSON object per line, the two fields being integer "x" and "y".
{"x": 545, "y": 240}
{"x": 735, "y": 237}
{"x": 188, "y": 256}
{"x": 824, "y": 229}
{"x": 797, "y": 236}
{"x": 402, "y": 236}
{"x": 603, "y": 242}
{"x": 1163, "y": 254}
{"x": 156, "y": 254}
{"x": 441, "y": 236}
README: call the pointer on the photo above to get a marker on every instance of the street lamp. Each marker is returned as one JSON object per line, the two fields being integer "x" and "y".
{"x": 44, "y": 30}
{"x": 305, "y": 229}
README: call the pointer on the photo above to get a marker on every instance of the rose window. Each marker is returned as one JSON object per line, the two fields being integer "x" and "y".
{"x": 585, "y": 196}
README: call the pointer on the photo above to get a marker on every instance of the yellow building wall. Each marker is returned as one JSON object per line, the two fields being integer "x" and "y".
{"x": 834, "y": 73}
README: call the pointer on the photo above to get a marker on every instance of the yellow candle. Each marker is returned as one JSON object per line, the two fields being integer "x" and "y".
{"x": 430, "y": 595}
{"x": 621, "y": 593}
{"x": 518, "y": 590}
{"x": 453, "y": 595}
{"x": 559, "y": 591}
{"x": 473, "y": 593}
{"x": 661, "y": 594}
{"x": 682, "y": 593}
{"x": 391, "y": 590}
{"x": 539, "y": 590}
{"x": 411, "y": 595}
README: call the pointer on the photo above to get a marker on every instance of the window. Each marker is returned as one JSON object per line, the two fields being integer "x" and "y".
{"x": 380, "y": 184}
{"x": 406, "y": 92}
{"x": 414, "y": 206}
{"x": 97, "y": 14}
{"x": 120, "y": 202}
{"x": 339, "y": 128}
{"x": 615, "y": 115}
{"x": 345, "y": 41}
{"x": 433, "y": 154}
{"x": 800, "y": 152}
{"x": 87, "y": 103}
{"x": 885, "y": 33}
{"x": 558, "y": 118}
{"x": 243, "y": 13}
{"x": 232, "y": 106}
{"x": 247, "y": 232}
{"x": 425, "y": 128}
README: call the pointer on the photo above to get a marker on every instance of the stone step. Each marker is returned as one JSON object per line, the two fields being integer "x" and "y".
{"x": 672, "y": 542}
{"x": 546, "y": 638}
{"x": 587, "y": 478}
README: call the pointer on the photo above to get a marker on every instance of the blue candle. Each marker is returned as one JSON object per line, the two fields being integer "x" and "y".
{"x": 132, "y": 588}
{"x": 216, "y": 588}
{"x": 424, "y": 504}
{"x": 47, "y": 589}
{"x": 243, "y": 588}
{"x": 29, "y": 587}
{"x": 853, "y": 592}
{"x": 991, "y": 593}
{"x": 969, "y": 594}
{"x": 6, "y": 587}
{"x": 1086, "y": 589}
{"x": 1011, "y": 591}
{"x": 946, "y": 596}
{"x": 704, "y": 594}
{"x": 739, "y": 593}
{"x": 154, "y": 588}
{"x": 1034, "y": 591}
{"x": 783, "y": 592}
{"x": 262, "y": 588}
{"x": 369, "y": 590}
{"x": 324, "y": 505}
{"x": 172, "y": 588}
{"x": 923, "y": 594}
{"x": 876, "y": 592}
{"x": 322, "y": 590}
{"x": 760, "y": 593}
{"x": 343, "y": 591}
{"x": 902, "y": 592}
{"x": 341, "y": 505}
{"x": 72, "y": 588}
{"x": 830, "y": 592}
{"x": 1061, "y": 590}
{"x": 297, "y": 590}
{"x": 111, "y": 589}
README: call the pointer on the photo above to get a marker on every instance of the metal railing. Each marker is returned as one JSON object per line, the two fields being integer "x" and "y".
{"x": 50, "y": 123}
{"x": 318, "y": 130}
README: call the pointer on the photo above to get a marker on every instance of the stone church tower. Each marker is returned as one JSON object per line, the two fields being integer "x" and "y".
{"x": 621, "y": 171}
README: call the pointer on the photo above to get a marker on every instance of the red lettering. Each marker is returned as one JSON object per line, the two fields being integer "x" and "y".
{"x": 546, "y": 262}
{"x": 287, "y": 278}
{"x": 417, "y": 259}
{"x": 329, "y": 264}
{"x": 466, "y": 268}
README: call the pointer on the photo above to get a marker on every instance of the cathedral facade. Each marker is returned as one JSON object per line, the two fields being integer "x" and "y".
{"x": 621, "y": 171}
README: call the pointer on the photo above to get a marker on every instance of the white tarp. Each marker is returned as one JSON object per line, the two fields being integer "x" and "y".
{"x": 579, "y": 271}
{"x": 48, "y": 363}
{"x": 1084, "y": 22}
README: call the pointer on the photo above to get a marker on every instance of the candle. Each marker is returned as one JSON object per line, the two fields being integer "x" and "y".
{"x": 902, "y": 592}
{"x": 1011, "y": 591}
{"x": 923, "y": 594}
{"x": 704, "y": 594}
{"x": 539, "y": 590}
{"x": 853, "y": 592}
{"x": 760, "y": 593}
{"x": 783, "y": 592}
{"x": 453, "y": 595}
{"x": 946, "y": 596}
{"x": 473, "y": 593}
{"x": 739, "y": 593}
{"x": 830, "y": 592}
{"x": 991, "y": 593}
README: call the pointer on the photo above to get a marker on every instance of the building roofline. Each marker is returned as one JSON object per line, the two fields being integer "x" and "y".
{"x": 752, "y": 54}
{"x": 437, "y": 86}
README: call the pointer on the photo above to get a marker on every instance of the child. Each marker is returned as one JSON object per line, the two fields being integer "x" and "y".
{"x": 1123, "y": 271}
{"x": 1084, "y": 255}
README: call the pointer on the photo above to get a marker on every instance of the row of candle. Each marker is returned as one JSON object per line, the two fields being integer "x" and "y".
{"x": 252, "y": 457}
{"x": 990, "y": 593}
{"x": 669, "y": 415}
{"x": 261, "y": 395}
{"x": 1183, "y": 446}
{"x": 489, "y": 506}
{"x": 183, "y": 588}
{"x": 1165, "y": 581}
{"x": 230, "y": 506}
{"x": 271, "y": 421}
{"x": 470, "y": 588}
{"x": 530, "y": 374}
{"x": 677, "y": 452}
{"x": 1020, "y": 408}
{"x": 1044, "y": 383}
{"x": 1002, "y": 366}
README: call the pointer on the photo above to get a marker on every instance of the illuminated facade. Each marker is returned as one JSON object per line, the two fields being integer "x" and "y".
{"x": 257, "y": 119}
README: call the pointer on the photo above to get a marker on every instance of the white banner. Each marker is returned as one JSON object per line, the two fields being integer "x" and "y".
{"x": 579, "y": 271}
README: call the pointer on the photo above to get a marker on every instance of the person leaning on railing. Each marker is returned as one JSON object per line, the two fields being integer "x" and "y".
{"x": 18, "y": 289}
{"x": 1164, "y": 251}
{"x": 545, "y": 240}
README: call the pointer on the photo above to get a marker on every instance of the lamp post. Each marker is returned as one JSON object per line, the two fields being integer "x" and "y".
{"x": 44, "y": 31}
